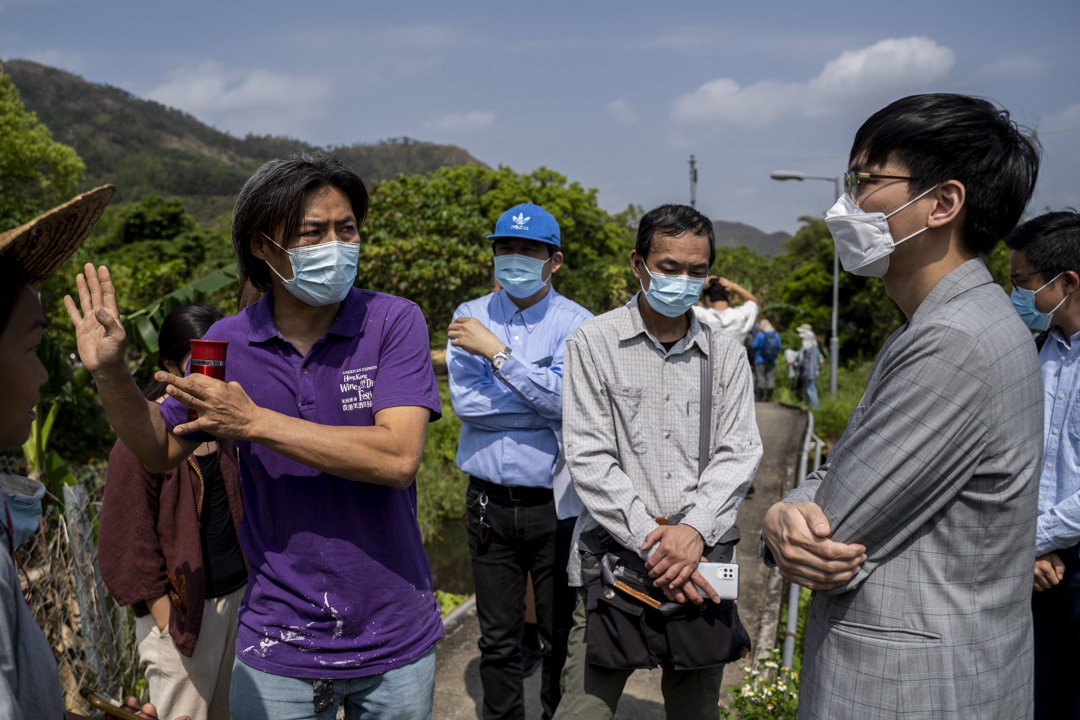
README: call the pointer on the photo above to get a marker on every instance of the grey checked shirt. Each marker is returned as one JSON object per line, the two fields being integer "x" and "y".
{"x": 631, "y": 424}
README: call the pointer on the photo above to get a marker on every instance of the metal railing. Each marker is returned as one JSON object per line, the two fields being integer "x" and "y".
{"x": 788, "y": 655}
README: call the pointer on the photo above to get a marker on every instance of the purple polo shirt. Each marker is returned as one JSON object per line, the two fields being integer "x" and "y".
{"x": 339, "y": 585}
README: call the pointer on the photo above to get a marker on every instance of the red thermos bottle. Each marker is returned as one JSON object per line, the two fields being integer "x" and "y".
{"x": 207, "y": 358}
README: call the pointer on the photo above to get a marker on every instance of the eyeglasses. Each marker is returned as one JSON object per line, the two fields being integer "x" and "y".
{"x": 852, "y": 180}
{"x": 1014, "y": 279}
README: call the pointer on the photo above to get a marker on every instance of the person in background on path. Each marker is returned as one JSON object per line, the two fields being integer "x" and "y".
{"x": 736, "y": 320}
{"x": 505, "y": 360}
{"x": 809, "y": 362}
{"x": 635, "y": 424}
{"x": 328, "y": 394}
{"x": 766, "y": 347}
{"x": 168, "y": 546}
{"x": 791, "y": 358}
{"x": 30, "y": 686}
{"x": 1045, "y": 275}
{"x": 918, "y": 534}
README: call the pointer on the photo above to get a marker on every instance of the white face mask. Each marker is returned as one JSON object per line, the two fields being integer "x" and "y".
{"x": 863, "y": 239}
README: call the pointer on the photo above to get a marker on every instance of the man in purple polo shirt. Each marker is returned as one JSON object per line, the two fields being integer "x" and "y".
{"x": 328, "y": 393}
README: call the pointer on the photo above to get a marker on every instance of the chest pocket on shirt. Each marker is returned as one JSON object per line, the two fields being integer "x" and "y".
{"x": 1073, "y": 421}
{"x": 627, "y": 414}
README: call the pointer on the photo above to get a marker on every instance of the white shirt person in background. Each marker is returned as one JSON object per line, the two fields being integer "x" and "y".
{"x": 735, "y": 320}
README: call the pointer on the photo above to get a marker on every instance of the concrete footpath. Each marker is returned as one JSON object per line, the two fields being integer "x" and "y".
{"x": 457, "y": 678}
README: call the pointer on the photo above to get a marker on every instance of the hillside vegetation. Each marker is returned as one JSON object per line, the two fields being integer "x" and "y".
{"x": 144, "y": 147}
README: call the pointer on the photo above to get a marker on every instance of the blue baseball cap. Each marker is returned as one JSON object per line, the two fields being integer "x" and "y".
{"x": 529, "y": 221}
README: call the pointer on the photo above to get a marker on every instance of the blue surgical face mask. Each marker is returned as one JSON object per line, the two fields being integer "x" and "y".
{"x": 1024, "y": 302}
{"x": 521, "y": 276}
{"x": 672, "y": 295}
{"x": 322, "y": 274}
{"x": 22, "y": 496}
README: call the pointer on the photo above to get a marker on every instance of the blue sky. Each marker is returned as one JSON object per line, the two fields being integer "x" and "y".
{"x": 616, "y": 96}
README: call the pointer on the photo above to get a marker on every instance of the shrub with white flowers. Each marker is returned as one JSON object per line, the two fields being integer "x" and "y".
{"x": 772, "y": 694}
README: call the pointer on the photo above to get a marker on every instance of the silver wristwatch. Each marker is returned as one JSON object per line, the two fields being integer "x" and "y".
{"x": 500, "y": 358}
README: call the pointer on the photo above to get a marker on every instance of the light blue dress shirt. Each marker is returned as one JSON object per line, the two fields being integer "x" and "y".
{"x": 1059, "y": 486}
{"x": 509, "y": 417}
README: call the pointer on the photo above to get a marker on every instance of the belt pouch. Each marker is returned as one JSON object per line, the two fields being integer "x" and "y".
{"x": 624, "y": 634}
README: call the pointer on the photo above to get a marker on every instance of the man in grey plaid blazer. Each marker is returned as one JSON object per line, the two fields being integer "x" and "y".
{"x": 918, "y": 535}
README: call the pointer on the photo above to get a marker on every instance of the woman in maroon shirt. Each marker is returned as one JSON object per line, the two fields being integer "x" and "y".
{"x": 168, "y": 547}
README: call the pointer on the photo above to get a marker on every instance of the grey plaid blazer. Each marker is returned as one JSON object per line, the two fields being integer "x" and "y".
{"x": 937, "y": 474}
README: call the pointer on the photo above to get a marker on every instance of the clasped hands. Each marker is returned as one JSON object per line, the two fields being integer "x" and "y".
{"x": 673, "y": 565}
{"x": 798, "y": 536}
{"x": 1049, "y": 571}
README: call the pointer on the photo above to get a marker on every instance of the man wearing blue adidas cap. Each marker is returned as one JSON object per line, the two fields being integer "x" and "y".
{"x": 505, "y": 358}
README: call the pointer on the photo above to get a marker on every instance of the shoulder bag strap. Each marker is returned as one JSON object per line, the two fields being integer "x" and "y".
{"x": 704, "y": 443}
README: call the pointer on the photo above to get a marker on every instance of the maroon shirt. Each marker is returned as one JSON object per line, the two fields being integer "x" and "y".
{"x": 148, "y": 537}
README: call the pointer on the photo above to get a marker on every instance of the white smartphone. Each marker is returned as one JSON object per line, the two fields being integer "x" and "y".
{"x": 724, "y": 578}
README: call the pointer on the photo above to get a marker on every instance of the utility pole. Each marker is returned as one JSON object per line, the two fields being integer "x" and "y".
{"x": 693, "y": 182}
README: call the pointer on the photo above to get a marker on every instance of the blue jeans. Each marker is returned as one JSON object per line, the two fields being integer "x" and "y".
{"x": 406, "y": 693}
{"x": 1056, "y": 615}
{"x": 811, "y": 394}
{"x": 526, "y": 537}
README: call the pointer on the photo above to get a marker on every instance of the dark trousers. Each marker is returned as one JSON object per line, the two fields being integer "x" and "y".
{"x": 526, "y": 537}
{"x": 593, "y": 692}
{"x": 1056, "y": 615}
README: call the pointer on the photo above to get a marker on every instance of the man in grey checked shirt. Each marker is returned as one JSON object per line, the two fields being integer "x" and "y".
{"x": 919, "y": 533}
{"x": 631, "y": 422}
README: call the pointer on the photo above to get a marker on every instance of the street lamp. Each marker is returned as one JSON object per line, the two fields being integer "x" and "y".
{"x": 834, "y": 341}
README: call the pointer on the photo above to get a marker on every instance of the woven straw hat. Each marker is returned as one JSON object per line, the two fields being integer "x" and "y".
{"x": 43, "y": 244}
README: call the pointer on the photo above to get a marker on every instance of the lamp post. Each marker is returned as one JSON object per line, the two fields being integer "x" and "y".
{"x": 834, "y": 341}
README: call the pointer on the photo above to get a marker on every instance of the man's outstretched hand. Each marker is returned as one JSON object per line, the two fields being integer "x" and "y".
{"x": 98, "y": 332}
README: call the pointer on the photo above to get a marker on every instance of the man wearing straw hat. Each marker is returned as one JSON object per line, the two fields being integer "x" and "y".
{"x": 29, "y": 682}
{"x": 808, "y": 363}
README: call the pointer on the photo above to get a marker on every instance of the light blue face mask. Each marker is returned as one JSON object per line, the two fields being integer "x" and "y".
{"x": 322, "y": 274}
{"x": 22, "y": 496}
{"x": 672, "y": 295}
{"x": 521, "y": 276}
{"x": 1024, "y": 302}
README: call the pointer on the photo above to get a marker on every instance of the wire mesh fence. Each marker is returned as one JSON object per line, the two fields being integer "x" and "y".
{"x": 92, "y": 638}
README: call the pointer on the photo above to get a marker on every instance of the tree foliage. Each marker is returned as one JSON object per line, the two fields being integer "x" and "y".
{"x": 795, "y": 287}
{"x": 36, "y": 172}
{"x": 424, "y": 238}
{"x": 152, "y": 248}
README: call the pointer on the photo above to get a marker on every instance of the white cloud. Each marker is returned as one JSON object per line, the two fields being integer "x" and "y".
{"x": 622, "y": 112}
{"x": 244, "y": 101}
{"x": 856, "y": 82}
{"x": 1064, "y": 121}
{"x": 1014, "y": 67}
{"x": 461, "y": 123}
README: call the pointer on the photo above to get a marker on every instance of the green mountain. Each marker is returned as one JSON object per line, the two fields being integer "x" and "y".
{"x": 734, "y": 234}
{"x": 144, "y": 147}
